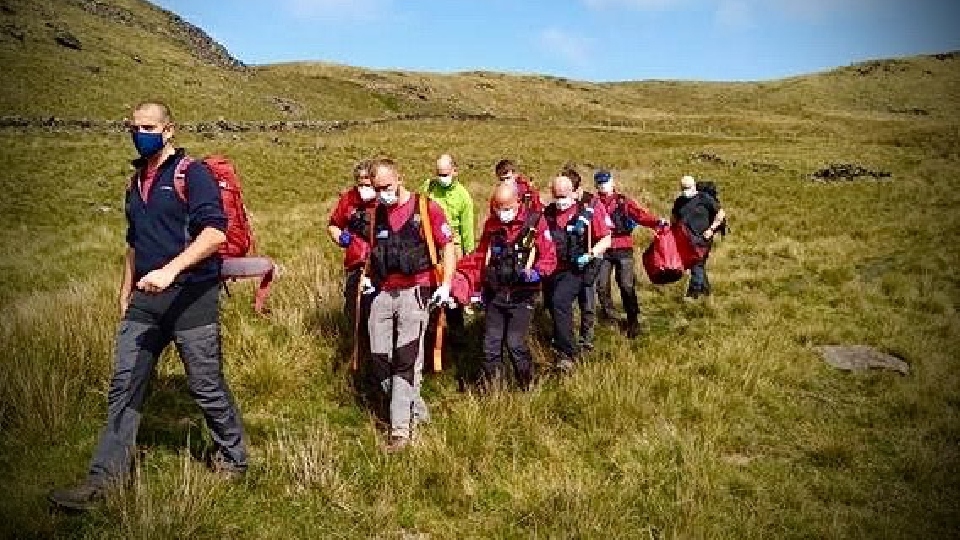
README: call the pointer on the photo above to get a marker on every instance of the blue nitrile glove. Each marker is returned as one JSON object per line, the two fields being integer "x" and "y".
{"x": 345, "y": 238}
{"x": 584, "y": 259}
{"x": 530, "y": 275}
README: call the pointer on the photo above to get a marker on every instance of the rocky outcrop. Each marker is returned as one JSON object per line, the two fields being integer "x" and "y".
{"x": 196, "y": 40}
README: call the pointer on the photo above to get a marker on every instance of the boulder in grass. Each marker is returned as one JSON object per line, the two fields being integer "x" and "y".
{"x": 861, "y": 358}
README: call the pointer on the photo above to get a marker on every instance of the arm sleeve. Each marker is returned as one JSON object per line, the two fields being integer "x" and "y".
{"x": 338, "y": 218}
{"x": 599, "y": 222}
{"x": 546, "y": 262}
{"x": 131, "y": 232}
{"x": 204, "y": 204}
{"x": 466, "y": 224}
{"x": 714, "y": 206}
{"x": 641, "y": 215}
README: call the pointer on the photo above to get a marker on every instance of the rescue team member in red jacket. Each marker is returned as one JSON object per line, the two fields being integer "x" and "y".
{"x": 580, "y": 234}
{"x": 349, "y": 227}
{"x": 518, "y": 255}
{"x": 507, "y": 172}
{"x": 403, "y": 274}
{"x": 625, "y": 214}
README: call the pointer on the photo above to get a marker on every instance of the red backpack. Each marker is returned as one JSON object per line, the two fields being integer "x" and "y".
{"x": 236, "y": 264}
{"x": 239, "y": 235}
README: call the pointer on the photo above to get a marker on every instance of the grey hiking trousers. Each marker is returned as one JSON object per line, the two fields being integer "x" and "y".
{"x": 189, "y": 316}
{"x": 398, "y": 363}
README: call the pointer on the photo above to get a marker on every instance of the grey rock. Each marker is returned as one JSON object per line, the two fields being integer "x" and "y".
{"x": 860, "y": 358}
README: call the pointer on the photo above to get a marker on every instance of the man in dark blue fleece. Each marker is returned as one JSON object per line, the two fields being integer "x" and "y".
{"x": 169, "y": 292}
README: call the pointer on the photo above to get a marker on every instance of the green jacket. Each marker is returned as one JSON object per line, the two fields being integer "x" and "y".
{"x": 458, "y": 208}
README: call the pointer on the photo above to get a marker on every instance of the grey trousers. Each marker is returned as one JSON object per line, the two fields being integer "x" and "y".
{"x": 151, "y": 323}
{"x": 397, "y": 323}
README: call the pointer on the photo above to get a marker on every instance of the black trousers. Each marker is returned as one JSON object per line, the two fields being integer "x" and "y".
{"x": 562, "y": 289}
{"x": 619, "y": 263}
{"x": 507, "y": 324}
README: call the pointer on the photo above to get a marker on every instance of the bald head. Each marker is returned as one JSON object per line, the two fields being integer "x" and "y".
{"x": 561, "y": 186}
{"x": 505, "y": 197}
{"x": 446, "y": 165}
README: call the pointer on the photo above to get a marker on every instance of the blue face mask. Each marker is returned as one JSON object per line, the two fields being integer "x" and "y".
{"x": 147, "y": 144}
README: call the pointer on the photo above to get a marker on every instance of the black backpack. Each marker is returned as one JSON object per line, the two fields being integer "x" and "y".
{"x": 709, "y": 187}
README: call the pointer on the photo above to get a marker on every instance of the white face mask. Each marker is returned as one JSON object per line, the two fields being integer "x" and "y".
{"x": 564, "y": 202}
{"x": 606, "y": 188}
{"x": 507, "y": 215}
{"x": 688, "y": 192}
{"x": 367, "y": 193}
{"x": 445, "y": 180}
{"x": 388, "y": 197}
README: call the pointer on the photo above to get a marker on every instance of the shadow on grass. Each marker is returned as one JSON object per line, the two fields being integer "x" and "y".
{"x": 172, "y": 420}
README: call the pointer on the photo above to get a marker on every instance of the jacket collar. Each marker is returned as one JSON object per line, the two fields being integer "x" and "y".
{"x": 178, "y": 153}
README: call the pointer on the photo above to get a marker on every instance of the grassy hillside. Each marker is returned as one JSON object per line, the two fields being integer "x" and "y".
{"x": 721, "y": 422}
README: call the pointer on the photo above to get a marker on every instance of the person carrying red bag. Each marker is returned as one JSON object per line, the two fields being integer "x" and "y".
{"x": 696, "y": 217}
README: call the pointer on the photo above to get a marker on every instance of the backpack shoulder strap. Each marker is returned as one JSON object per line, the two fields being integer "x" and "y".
{"x": 180, "y": 177}
{"x": 423, "y": 206}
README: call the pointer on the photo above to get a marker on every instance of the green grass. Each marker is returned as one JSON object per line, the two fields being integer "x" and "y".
{"x": 720, "y": 422}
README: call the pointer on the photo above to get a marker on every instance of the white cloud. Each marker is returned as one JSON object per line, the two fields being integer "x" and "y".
{"x": 734, "y": 14}
{"x": 337, "y": 9}
{"x": 643, "y": 5}
{"x": 571, "y": 48}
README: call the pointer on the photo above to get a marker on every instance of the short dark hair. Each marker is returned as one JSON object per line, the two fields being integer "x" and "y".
{"x": 573, "y": 175}
{"x": 164, "y": 109}
{"x": 505, "y": 166}
{"x": 363, "y": 166}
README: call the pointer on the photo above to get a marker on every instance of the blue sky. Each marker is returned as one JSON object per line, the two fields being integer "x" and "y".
{"x": 598, "y": 40}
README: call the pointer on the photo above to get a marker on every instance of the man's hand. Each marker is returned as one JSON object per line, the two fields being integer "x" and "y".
{"x": 662, "y": 223}
{"x": 157, "y": 280}
{"x": 708, "y": 234}
{"x": 584, "y": 259}
{"x": 530, "y": 275}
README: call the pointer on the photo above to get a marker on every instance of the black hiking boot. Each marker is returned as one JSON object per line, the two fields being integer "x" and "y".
{"x": 81, "y": 498}
{"x": 632, "y": 329}
{"x": 220, "y": 465}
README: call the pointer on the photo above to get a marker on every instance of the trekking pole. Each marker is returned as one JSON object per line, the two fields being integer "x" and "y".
{"x": 355, "y": 356}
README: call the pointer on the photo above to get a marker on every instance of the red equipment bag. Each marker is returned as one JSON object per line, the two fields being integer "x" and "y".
{"x": 661, "y": 260}
{"x": 691, "y": 251}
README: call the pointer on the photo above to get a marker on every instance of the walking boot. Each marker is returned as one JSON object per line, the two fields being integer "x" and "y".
{"x": 632, "y": 329}
{"x": 81, "y": 498}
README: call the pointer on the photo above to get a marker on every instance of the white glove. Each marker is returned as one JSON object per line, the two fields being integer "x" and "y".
{"x": 441, "y": 297}
{"x": 366, "y": 286}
